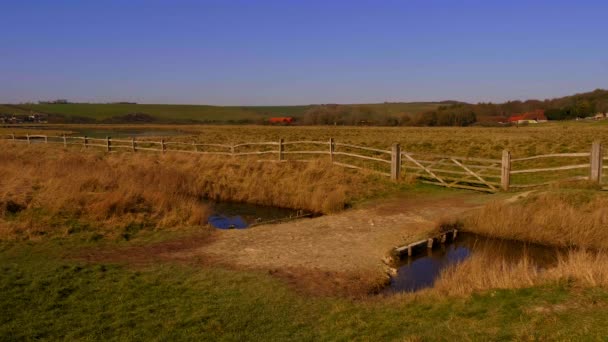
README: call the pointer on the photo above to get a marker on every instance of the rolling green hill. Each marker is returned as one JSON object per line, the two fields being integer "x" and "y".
{"x": 191, "y": 113}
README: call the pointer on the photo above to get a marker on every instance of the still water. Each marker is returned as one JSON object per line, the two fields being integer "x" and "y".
{"x": 254, "y": 214}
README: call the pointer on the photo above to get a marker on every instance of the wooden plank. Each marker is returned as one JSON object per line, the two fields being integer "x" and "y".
{"x": 569, "y": 167}
{"x": 442, "y": 162}
{"x": 395, "y": 162}
{"x": 253, "y": 153}
{"x": 214, "y": 145}
{"x": 361, "y": 157}
{"x": 254, "y": 144}
{"x": 305, "y": 152}
{"x": 308, "y": 142}
{"x": 452, "y": 172}
{"x": 425, "y": 169}
{"x": 483, "y": 160}
{"x": 348, "y": 165}
{"x": 473, "y": 174}
{"x": 505, "y": 174}
{"x": 361, "y": 168}
{"x": 459, "y": 186}
{"x": 364, "y": 148}
{"x": 554, "y": 155}
{"x": 595, "y": 174}
{"x": 453, "y": 179}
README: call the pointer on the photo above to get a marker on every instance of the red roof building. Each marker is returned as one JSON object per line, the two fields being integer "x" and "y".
{"x": 281, "y": 120}
{"x": 534, "y": 116}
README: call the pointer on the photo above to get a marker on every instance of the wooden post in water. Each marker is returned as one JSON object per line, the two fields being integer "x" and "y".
{"x": 162, "y": 145}
{"x": 65, "y": 142}
{"x": 281, "y": 149}
{"x": 108, "y": 144}
{"x": 46, "y": 139}
{"x": 13, "y": 136}
{"x": 596, "y": 162}
{"x": 85, "y": 141}
{"x": 505, "y": 170}
{"x": 332, "y": 149}
{"x": 27, "y": 136}
{"x": 133, "y": 148}
{"x": 395, "y": 162}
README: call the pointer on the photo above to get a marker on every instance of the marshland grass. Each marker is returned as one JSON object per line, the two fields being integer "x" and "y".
{"x": 51, "y": 191}
{"x": 559, "y": 217}
{"x": 482, "y": 272}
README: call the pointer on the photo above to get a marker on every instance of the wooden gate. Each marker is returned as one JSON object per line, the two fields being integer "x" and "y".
{"x": 454, "y": 172}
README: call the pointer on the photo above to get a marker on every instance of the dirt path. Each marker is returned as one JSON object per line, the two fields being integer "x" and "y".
{"x": 341, "y": 249}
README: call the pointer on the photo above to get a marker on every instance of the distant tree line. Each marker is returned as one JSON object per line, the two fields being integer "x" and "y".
{"x": 459, "y": 114}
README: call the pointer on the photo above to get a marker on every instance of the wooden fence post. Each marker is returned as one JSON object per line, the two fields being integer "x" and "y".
{"x": 162, "y": 145}
{"x": 65, "y": 142}
{"x": 133, "y": 148}
{"x": 596, "y": 162}
{"x": 13, "y": 136}
{"x": 505, "y": 170}
{"x": 281, "y": 149}
{"x": 108, "y": 144}
{"x": 395, "y": 162}
{"x": 332, "y": 149}
{"x": 28, "y": 138}
{"x": 85, "y": 141}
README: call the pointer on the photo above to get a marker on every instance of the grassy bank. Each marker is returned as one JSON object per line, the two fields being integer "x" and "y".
{"x": 44, "y": 297}
{"x": 51, "y": 191}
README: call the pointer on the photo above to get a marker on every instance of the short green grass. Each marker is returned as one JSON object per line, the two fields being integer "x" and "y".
{"x": 46, "y": 297}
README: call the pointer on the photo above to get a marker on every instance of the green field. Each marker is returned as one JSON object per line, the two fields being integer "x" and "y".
{"x": 200, "y": 113}
{"x": 46, "y": 296}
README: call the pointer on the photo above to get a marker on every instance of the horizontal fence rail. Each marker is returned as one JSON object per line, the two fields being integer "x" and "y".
{"x": 480, "y": 174}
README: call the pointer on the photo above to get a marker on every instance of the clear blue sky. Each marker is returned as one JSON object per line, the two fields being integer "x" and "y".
{"x": 300, "y": 52}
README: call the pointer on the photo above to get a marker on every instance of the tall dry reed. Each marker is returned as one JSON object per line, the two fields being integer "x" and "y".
{"x": 560, "y": 218}
{"x": 41, "y": 188}
{"x": 481, "y": 272}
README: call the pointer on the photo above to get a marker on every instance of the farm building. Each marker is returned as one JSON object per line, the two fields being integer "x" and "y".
{"x": 284, "y": 120}
{"x": 600, "y": 116}
{"x": 529, "y": 117}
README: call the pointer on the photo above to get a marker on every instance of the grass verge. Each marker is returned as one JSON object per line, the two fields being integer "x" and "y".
{"x": 45, "y": 297}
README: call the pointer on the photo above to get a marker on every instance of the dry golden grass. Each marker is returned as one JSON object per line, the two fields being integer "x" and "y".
{"x": 561, "y": 218}
{"x": 43, "y": 189}
{"x": 481, "y": 272}
{"x": 459, "y": 141}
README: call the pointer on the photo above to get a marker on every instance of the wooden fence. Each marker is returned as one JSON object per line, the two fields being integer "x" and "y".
{"x": 481, "y": 174}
